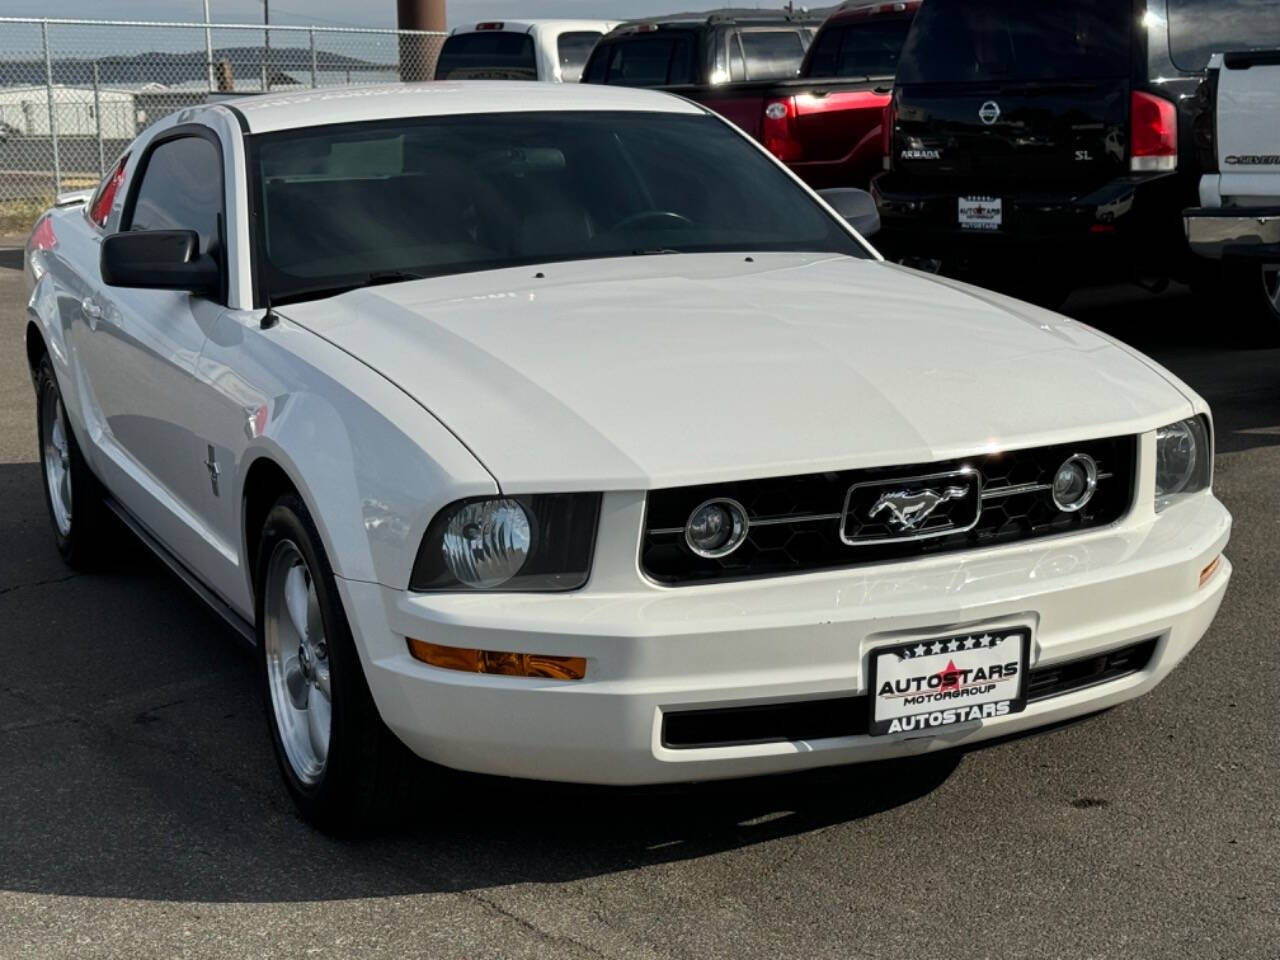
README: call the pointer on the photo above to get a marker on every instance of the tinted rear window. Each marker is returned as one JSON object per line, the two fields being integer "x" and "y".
{"x": 868, "y": 49}
{"x": 574, "y": 48}
{"x": 985, "y": 40}
{"x": 1198, "y": 28}
{"x": 651, "y": 61}
{"x": 772, "y": 54}
{"x": 491, "y": 55}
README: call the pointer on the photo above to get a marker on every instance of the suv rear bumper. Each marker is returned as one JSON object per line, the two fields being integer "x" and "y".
{"x": 922, "y": 219}
{"x": 1251, "y": 233}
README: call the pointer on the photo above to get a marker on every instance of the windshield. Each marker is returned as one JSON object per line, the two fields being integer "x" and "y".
{"x": 650, "y": 60}
{"x": 491, "y": 55}
{"x": 573, "y": 49}
{"x": 772, "y": 54}
{"x": 1199, "y": 28}
{"x": 869, "y": 48}
{"x": 364, "y": 203}
{"x": 986, "y": 40}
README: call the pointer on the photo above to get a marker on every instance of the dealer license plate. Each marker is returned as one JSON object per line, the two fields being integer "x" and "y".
{"x": 981, "y": 213}
{"x": 927, "y": 685}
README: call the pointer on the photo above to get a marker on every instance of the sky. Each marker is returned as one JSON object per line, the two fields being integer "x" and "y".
{"x": 359, "y": 13}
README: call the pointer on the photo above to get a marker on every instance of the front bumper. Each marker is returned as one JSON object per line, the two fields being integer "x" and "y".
{"x": 1251, "y": 233}
{"x": 654, "y": 650}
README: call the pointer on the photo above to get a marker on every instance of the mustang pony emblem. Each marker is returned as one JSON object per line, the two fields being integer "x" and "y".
{"x": 910, "y": 508}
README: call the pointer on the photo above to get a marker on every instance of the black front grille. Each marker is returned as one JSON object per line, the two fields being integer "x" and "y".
{"x": 796, "y": 522}
{"x": 848, "y": 716}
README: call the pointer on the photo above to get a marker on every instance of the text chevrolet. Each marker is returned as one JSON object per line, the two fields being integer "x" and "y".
{"x": 559, "y": 431}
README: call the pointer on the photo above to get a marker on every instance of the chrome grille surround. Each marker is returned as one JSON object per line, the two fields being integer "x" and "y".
{"x": 797, "y": 524}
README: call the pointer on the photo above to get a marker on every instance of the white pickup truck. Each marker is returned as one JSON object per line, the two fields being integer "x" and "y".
{"x": 554, "y": 50}
{"x": 1238, "y": 220}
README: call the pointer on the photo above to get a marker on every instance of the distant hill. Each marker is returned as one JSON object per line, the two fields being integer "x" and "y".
{"x": 174, "y": 69}
{"x": 816, "y": 13}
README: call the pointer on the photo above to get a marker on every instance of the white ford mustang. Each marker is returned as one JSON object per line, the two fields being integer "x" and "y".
{"x": 560, "y": 432}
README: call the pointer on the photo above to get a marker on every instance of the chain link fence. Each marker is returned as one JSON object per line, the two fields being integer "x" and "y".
{"x": 73, "y": 93}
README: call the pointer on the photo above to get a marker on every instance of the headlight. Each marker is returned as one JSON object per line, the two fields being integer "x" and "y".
{"x": 539, "y": 542}
{"x": 1184, "y": 460}
{"x": 485, "y": 544}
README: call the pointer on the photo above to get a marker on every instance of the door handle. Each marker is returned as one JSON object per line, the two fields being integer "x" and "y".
{"x": 90, "y": 308}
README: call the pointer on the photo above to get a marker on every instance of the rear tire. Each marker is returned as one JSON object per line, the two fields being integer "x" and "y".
{"x": 1246, "y": 295}
{"x": 72, "y": 493}
{"x": 345, "y": 770}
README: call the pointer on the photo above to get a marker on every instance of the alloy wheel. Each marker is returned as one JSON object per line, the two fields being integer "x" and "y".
{"x": 297, "y": 656}
{"x": 57, "y": 458}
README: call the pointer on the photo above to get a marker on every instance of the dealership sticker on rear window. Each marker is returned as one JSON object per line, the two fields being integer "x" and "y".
{"x": 926, "y": 685}
{"x": 981, "y": 213}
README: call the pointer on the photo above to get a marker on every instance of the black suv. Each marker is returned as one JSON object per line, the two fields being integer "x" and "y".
{"x": 1041, "y": 146}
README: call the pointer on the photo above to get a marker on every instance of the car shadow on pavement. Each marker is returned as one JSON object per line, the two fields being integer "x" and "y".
{"x": 135, "y": 762}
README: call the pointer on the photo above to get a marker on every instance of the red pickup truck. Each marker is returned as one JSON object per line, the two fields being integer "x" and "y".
{"x": 816, "y": 102}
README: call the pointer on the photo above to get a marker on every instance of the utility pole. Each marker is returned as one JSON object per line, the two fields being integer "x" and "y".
{"x": 418, "y": 53}
{"x": 208, "y": 47}
{"x": 266, "y": 46}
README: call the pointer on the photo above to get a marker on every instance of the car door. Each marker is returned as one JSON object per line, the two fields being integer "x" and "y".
{"x": 141, "y": 348}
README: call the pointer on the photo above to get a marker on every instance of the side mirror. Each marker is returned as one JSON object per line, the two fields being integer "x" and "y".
{"x": 158, "y": 260}
{"x": 856, "y": 206}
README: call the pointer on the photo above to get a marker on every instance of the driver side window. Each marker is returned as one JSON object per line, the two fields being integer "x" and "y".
{"x": 181, "y": 189}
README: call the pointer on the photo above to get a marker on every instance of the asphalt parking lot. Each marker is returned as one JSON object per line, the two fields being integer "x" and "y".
{"x": 141, "y": 814}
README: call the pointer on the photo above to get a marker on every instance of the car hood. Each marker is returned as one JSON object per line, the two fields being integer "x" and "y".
{"x": 668, "y": 370}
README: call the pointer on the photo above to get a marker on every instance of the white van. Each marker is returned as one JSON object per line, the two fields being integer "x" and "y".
{"x": 554, "y": 50}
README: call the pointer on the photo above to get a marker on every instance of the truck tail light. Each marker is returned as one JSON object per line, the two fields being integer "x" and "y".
{"x": 781, "y": 138}
{"x": 1153, "y": 133}
{"x": 887, "y": 123}
{"x": 101, "y": 208}
{"x": 42, "y": 237}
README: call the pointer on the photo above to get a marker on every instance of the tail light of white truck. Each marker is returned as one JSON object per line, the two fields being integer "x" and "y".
{"x": 1153, "y": 133}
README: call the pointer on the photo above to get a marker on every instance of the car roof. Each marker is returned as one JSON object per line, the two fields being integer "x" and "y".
{"x": 700, "y": 22}
{"x": 312, "y": 108}
{"x": 861, "y": 10}
{"x": 524, "y": 26}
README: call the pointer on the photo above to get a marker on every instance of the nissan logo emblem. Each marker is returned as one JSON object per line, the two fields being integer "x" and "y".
{"x": 989, "y": 112}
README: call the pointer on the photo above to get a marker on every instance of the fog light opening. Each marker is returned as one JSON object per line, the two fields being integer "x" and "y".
{"x": 716, "y": 528}
{"x": 498, "y": 662}
{"x": 1207, "y": 573}
{"x": 1075, "y": 483}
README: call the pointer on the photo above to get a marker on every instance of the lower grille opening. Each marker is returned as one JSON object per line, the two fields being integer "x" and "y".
{"x": 1078, "y": 674}
{"x": 848, "y": 716}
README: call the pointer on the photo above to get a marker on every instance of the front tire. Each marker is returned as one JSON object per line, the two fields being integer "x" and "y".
{"x": 71, "y": 491}
{"x": 345, "y": 770}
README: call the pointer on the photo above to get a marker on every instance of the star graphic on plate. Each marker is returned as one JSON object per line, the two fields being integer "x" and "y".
{"x": 988, "y": 639}
{"x": 920, "y": 650}
{"x": 962, "y": 644}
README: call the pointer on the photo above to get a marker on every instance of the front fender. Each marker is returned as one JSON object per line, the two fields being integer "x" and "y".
{"x": 372, "y": 466}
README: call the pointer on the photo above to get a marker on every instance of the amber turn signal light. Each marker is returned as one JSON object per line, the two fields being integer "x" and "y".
{"x": 497, "y": 662}
{"x": 1207, "y": 573}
